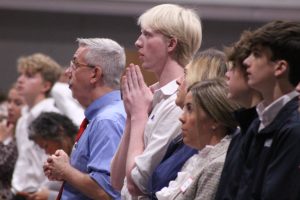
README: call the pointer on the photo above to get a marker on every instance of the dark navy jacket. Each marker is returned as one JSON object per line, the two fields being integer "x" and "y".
{"x": 268, "y": 165}
{"x": 244, "y": 117}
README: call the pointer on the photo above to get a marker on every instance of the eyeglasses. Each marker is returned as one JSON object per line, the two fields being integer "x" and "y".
{"x": 75, "y": 65}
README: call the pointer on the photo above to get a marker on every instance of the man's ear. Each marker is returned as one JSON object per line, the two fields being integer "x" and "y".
{"x": 172, "y": 43}
{"x": 96, "y": 74}
{"x": 281, "y": 68}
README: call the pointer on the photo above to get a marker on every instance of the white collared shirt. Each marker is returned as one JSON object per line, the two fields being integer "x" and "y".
{"x": 28, "y": 174}
{"x": 267, "y": 114}
{"x": 66, "y": 103}
{"x": 162, "y": 127}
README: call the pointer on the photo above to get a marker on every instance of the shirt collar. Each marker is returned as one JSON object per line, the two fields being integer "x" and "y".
{"x": 267, "y": 114}
{"x": 163, "y": 92}
{"x": 101, "y": 102}
{"x": 168, "y": 89}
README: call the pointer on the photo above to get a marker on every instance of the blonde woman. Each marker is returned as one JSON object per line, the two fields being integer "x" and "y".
{"x": 207, "y": 64}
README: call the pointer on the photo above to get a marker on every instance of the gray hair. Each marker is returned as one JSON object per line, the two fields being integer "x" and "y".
{"x": 107, "y": 54}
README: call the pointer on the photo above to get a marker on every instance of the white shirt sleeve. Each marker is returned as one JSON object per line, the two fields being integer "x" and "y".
{"x": 162, "y": 127}
{"x": 65, "y": 102}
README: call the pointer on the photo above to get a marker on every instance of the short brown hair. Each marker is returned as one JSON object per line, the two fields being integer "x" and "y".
{"x": 239, "y": 51}
{"x": 283, "y": 39}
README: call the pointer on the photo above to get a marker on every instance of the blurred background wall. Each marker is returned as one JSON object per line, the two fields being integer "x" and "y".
{"x": 52, "y": 26}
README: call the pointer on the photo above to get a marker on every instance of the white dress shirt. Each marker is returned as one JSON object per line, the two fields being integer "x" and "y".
{"x": 268, "y": 113}
{"x": 28, "y": 175}
{"x": 66, "y": 104}
{"x": 162, "y": 127}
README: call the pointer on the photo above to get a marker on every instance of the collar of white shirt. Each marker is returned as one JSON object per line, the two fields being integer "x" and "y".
{"x": 163, "y": 92}
{"x": 267, "y": 114}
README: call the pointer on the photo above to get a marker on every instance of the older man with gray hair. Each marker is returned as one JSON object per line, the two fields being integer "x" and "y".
{"x": 94, "y": 78}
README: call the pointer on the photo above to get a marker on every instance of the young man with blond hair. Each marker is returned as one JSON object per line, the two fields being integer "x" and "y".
{"x": 165, "y": 47}
{"x": 37, "y": 74}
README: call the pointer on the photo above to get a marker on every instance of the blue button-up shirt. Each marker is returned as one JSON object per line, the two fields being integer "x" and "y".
{"x": 98, "y": 144}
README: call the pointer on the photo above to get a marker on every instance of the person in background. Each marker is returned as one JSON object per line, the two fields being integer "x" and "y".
{"x": 52, "y": 131}
{"x": 240, "y": 92}
{"x": 207, "y": 64}
{"x": 94, "y": 78}
{"x": 207, "y": 125}
{"x": 268, "y": 164}
{"x": 37, "y": 74}
{"x": 3, "y": 106}
{"x": 64, "y": 101}
{"x": 165, "y": 47}
{"x": 8, "y": 146}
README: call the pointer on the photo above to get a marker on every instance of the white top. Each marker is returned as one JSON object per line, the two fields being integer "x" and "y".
{"x": 185, "y": 176}
{"x": 65, "y": 102}
{"x": 162, "y": 127}
{"x": 28, "y": 174}
{"x": 195, "y": 168}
